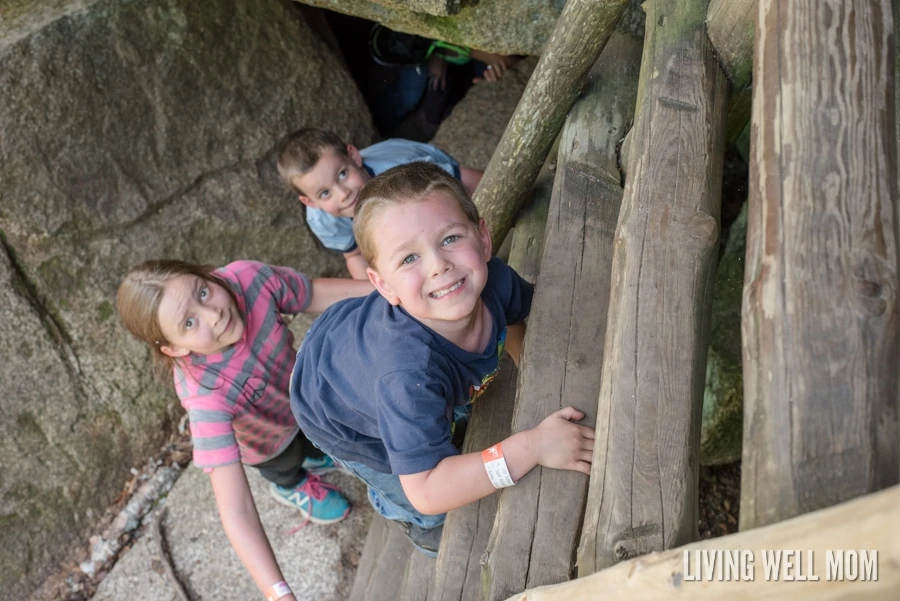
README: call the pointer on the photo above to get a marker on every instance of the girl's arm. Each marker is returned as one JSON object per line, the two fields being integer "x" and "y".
{"x": 356, "y": 265}
{"x": 327, "y": 291}
{"x": 462, "y": 479}
{"x": 243, "y": 527}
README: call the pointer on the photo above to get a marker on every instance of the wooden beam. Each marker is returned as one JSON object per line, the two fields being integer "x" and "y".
{"x": 867, "y": 523}
{"x": 643, "y": 489}
{"x": 581, "y": 31}
{"x": 731, "y": 25}
{"x": 467, "y": 529}
{"x": 385, "y": 554}
{"x": 819, "y": 324}
{"x": 537, "y": 526}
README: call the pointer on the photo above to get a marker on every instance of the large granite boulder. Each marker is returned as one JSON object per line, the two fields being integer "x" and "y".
{"x": 131, "y": 130}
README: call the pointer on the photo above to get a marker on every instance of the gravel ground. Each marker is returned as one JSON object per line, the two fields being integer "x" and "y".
{"x": 720, "y": 499}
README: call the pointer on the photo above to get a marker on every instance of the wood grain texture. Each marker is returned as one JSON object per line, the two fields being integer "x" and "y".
{"x": 538, "y": 521}
{"x": 583, "y": 28}
{"x": 820, "y": 312}
{"x": 731, "y": 25}
{"x": 458, "y": 574}
{"x": 859, "y": 525}
{"x": 467, "y": 529}
{"x": 643, "y": 490}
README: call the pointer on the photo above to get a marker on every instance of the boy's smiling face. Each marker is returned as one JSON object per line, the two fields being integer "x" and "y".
{"x": 333, "y": 184}
{"x": 430, "y": 259}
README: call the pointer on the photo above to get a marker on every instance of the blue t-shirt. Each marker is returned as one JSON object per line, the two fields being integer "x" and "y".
{"x": 372, "y": 384}
{"x": 336, "y": 233}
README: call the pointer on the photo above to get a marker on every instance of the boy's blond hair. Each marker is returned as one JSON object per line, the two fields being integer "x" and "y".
{"x": 410, "y": 182}
{"x": 302, "y": 150}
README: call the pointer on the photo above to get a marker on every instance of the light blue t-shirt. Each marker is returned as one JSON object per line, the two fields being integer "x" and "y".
{"x": 336, "y": 233}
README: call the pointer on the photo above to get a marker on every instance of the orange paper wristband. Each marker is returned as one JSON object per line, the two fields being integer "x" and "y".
{"x": 495, "y": 465}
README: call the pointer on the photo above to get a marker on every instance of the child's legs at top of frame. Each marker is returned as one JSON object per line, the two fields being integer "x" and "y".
{"x": 396, "y": 93}
{"x": 286, "y": 468}
{"x": 387, "y": 497}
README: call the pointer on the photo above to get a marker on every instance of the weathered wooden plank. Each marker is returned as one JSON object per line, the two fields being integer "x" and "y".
{"x": 731, "y": 25}
{"x": 820, "y": 323}
{"x": 862, "y": 524}
{"x": 418, "y": 578}
{"x": 583, "y": 28}
{"x": 538, "y": 521}
{"x": 466, "y": 531}
{"x": 380, "y": 576}
{"x": 643, "y": 492}
{"x": 375, "y": 540}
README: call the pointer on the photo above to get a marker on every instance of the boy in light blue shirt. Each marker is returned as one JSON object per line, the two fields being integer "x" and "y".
{"x": 327, "y": 176}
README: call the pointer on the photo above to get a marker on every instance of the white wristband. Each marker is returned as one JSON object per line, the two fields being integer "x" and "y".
{"x": 495, "y": 465}
{"x": 278, "y": 590}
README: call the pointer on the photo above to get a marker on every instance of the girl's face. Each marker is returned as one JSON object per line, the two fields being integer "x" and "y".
{"x": 197, "y": 316}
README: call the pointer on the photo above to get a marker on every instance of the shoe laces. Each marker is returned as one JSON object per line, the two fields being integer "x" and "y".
{"x": 315, "y": 488}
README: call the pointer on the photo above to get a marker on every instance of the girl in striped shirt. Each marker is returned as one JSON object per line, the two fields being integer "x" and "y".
{"x": 222, "y": 334}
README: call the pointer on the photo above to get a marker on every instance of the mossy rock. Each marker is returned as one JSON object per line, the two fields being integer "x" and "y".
{"x": 721, "y": 431}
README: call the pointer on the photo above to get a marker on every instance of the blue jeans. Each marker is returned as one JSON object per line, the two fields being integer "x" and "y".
{"x": 387, "y": 497}
{"x": 386, "y": 493}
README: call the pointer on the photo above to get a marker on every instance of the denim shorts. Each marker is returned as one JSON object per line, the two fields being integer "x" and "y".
{"x": 387, "y": 497}
{"x": 385, "y": 491}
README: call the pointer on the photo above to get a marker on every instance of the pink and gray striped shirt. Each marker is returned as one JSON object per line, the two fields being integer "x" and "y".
{"x": 237, "y": 400}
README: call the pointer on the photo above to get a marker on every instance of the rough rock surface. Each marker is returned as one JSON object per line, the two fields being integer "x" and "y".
{"x": 501, "y": 26}
{"x": 131, "y": 130}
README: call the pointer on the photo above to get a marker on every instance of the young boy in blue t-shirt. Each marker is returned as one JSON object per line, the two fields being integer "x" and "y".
{"x": 380, "y": 381}
{"x": 327, "y": 176}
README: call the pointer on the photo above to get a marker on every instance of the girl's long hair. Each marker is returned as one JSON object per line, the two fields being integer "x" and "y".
{"x": 138, "y": 298}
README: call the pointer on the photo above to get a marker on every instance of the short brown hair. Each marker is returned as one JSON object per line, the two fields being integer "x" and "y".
{"x": 139, "y": 295}
{"x": 302, "y": 150}
{"x": 410, "y": 182}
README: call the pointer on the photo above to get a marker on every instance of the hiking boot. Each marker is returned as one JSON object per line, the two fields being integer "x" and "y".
{"x": 425, "y": 540}
{"x": 321, "y": 465}
{"x": 317, "y": 501}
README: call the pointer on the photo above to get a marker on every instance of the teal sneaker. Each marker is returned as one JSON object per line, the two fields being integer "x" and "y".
{"x": 317, "y": 501}
{"x": 321, "y": 465}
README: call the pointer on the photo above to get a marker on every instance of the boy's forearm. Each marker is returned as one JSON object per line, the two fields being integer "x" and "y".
{"x": 327, "y": 291}
{"x": 462, "y": 479}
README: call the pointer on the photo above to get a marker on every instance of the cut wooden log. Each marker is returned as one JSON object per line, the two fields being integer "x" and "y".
{"x": 865, "y": 524}
{"x": 820, "y": 323}
{"x": 731, "y": 25}
{"x": 467, "y": 529}
{"x": 382, "y": 573}
{"x": 643, "y": 489}
{"x": 581, "y": 31}
{"x": 538, "y": 521}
